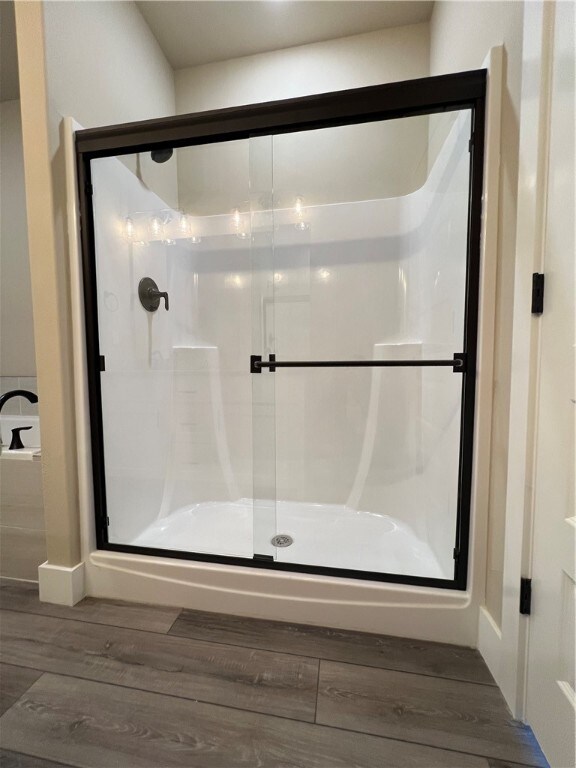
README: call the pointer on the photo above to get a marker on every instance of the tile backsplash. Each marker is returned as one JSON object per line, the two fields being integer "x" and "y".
{"x": 19, "y": 406}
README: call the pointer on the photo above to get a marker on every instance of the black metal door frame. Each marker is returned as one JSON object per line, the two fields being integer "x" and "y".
{"x": 465, "y": 90}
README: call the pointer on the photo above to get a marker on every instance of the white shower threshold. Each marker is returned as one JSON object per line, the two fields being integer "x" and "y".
{"x": 328, "y": 535}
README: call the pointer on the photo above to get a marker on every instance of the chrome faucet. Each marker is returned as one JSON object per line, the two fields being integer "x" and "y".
{"x": 30, "y": 396}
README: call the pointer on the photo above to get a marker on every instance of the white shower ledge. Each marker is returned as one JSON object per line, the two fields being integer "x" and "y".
{"x": 22, "y": 454}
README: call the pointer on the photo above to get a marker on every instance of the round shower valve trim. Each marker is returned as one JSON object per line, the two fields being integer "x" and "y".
{"x": 150, "y": 295}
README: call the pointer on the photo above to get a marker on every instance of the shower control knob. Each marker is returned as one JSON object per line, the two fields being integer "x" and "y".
{"x": 150, "y": 296}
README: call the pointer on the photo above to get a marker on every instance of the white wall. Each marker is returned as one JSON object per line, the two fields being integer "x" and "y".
{"x": 351, "y": 162}
{"x": 461, "y": 34}
{"x": 104, "y": 65}
{"x": 133, "y": 79}
{"x": 349, "y": 62}
{"x": 16, "y": 324}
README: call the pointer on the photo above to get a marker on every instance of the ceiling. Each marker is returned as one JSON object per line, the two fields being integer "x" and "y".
{"x": 192, "y": 32}
{"x": 195, "y": 32}
{"x": 9, "y": 88}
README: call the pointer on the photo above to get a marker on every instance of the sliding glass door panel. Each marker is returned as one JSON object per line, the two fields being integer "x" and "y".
{"x": 176, "y": 392}
{"x": 368, "y": 311}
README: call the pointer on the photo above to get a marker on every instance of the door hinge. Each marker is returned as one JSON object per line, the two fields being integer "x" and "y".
{"x": 456, "y": 553}
{"x": 107, "y": 521}
{"x": 537, "y": 293}
{"x": 89, "y": 189}
{"x": 525, "y": 596}
{"x": 265, "y": 558}
{"x": 471, "y": 143}
{"x": 102, "y": 363}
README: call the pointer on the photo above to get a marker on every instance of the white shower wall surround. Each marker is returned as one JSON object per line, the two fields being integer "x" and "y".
{"x": 366, "y": 462}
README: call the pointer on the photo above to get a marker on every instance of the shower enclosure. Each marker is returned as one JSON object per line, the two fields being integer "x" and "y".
{"x": 281, "y": 316}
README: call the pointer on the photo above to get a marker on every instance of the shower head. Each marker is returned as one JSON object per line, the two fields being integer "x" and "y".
{"x": 161, "y": 155}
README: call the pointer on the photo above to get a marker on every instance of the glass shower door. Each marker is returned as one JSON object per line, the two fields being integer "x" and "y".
{"x": 365, "y": 317}
{"x": 281, "y": 330}
{"x": 176, "y": 392}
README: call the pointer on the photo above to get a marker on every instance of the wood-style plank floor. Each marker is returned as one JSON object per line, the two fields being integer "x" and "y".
{"x": 118, "y": 685}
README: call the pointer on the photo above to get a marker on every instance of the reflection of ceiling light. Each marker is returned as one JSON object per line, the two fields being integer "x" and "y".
{"x": 184, "y": 225}
{"x": 239, "y": 226}
{"x": 323, "y": 274}
{"x": 160, "y": 226}
{"x": 166, "y": 226}
{"x": 129, "y": 229}
{"x": 235, "y": 281}
{"x": 132, "y": 231}
{"x": 278, "y": 277}
{"x": 300, "y": 224}
{"x": 155, "y": 226}
{"x": 186, "y": 229}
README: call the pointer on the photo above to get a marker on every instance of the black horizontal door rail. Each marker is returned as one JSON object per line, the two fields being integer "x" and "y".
{"x": 458, "y": 363}
{"x": 459, "y": 90}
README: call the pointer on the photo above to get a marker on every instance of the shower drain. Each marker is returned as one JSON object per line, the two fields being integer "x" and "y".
{"x": 282, "y": 540}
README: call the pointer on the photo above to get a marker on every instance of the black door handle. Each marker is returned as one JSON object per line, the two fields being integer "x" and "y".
{"x": 457, "y": 363}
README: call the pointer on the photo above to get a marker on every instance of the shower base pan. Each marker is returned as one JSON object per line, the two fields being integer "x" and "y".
{"x": 327, "y": 535}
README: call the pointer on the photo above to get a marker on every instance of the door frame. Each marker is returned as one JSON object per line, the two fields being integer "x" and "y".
{"x": 465, "y": 90}
{"x": 505, "y": 647}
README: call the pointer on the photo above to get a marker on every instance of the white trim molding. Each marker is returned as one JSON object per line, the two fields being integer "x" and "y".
{"x": 490, "y": 642}
{"x": 533, "y": 150}
{"x": 488, "y": 633}
{"x": 61, "y": 585}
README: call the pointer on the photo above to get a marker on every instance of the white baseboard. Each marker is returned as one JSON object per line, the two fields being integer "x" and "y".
{"x": 61, "y": 585}
{"x": 490, "y": 643}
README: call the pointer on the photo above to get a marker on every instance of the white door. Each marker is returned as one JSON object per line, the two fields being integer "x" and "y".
{"x": 550, "y": 681}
